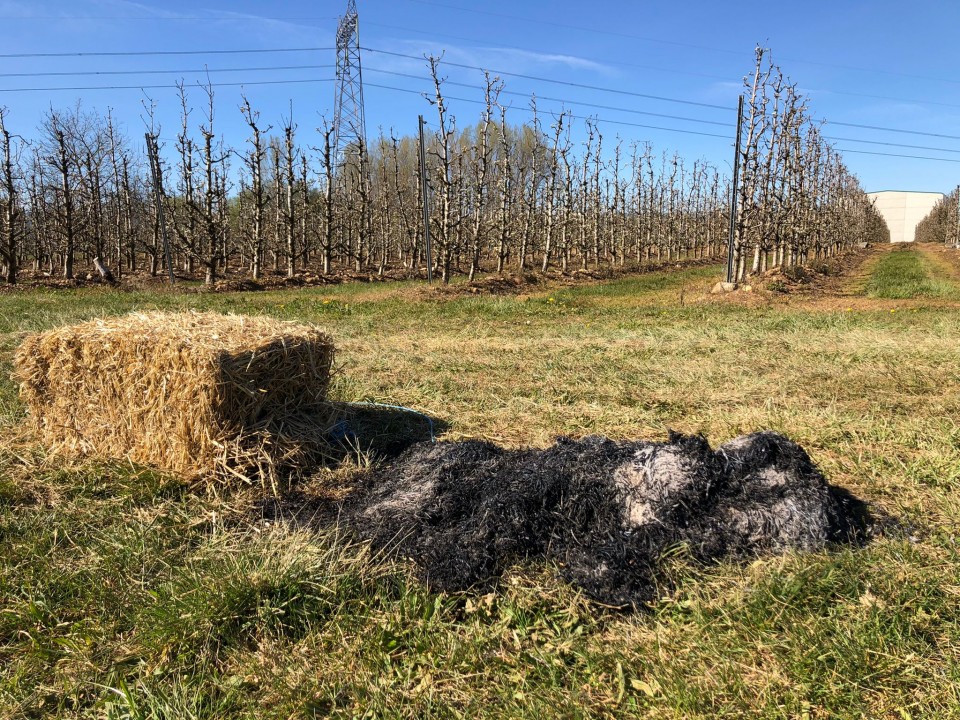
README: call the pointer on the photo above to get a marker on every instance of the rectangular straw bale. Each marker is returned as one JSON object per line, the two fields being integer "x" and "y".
{"x": 194, "y": 393}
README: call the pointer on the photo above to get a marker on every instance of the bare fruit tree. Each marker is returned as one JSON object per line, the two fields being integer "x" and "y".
{"x": 553, "y": 192}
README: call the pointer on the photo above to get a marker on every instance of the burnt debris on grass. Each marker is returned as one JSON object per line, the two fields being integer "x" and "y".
{"x": 604, "y": 511}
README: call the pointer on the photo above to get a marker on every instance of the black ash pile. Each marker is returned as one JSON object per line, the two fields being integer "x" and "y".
{"x": 605, "y": 511}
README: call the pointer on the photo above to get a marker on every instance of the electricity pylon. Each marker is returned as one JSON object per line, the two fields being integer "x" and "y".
{"x": 350, "y": 131}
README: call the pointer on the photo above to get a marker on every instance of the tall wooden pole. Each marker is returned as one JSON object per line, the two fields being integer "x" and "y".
{"x": 425, "y": 192}
{"x": 733, "y": 193}
{"x": 957, "y": 236}
{"x": 154, "y": 159}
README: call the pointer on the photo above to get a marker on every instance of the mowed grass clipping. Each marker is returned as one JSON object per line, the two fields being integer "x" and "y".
{"x": 126, "y": 593}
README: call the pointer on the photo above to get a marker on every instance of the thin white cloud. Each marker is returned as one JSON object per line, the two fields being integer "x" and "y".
{"x": 897, "y": 109}
{"x": 327, "y": 35}
{"x": 18, "y": 9}
{"x": 527, "y": 57}
{"x": 287, "y": 29}
{"x": 723, "y": 92}
{"x": 499, "y": 58}
{"x": 139, "y": 7}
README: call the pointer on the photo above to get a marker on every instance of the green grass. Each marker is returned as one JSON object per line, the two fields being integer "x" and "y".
{"x": 909, "y": 273}
{"x": 126, "y": 594}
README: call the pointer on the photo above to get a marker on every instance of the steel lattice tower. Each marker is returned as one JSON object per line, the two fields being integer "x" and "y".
{"x": 350, "y": 130}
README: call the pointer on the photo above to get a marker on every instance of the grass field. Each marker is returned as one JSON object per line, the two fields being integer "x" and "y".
{"x": 907, "y": 273}
{"x": 126, "y": 594}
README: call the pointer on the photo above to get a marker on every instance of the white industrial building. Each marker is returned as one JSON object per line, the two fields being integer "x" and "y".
{"x": 903, "y": 211}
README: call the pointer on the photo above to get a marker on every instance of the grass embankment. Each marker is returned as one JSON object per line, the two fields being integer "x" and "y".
{"x": 124, "y": 593}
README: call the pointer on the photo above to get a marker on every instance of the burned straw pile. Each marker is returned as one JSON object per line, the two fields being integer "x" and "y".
{"x": 200, "y": 394}
{"x": 604, "y": 511}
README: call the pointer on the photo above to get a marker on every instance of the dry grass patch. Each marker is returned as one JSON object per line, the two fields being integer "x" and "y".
{"x": 107, "y": 574}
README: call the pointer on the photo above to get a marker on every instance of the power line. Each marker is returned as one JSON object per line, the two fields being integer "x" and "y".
{"x": 320, "y": 49}
{"x": 679, "y": 130}
{"x": 579, "y": 28}
{"x": 166, "y": 72}
{"x": 893, "y": 130}
{"x": 539, "y": 21}
{"x": 665, "y": 116}
{"x": 560, "y": 100}
{"x": 560, "y": 82}
{"x": 569, "y": 115}
{"x": 873, "y": 71}
{"x": 661, "y": 41}
{"x": 168, "y": 86}
{"x": 459, "y": 84}
{"x": 674, "y": 117}
{"x": 673, "y": 71}
{"x": 144, "y": 53}
{"x": 456, "y": 37}
{"x": 598, "y": 61}
{"x": 151, "y": 18}
{"x": 469, "y": 100}
{"x": 913, "y": 157}
{"x": 913, "y": 101}
{"x": 889, "y": 144}
{"x": 453, "y": 37}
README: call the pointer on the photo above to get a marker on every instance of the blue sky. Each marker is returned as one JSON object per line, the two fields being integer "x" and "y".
{"x": 882, "y": 63}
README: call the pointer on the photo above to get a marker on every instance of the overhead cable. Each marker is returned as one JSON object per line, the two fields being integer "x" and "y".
{"x": 893, "y": 130}
{"x": 558, "y": 82}
{"x": 146, "y": 53}
{"x": 168, "y": 86}
{"x": 913, "y": 157}
{"x": 579, "y": 28}
{"x": 533, "y": 51}
{"x": 166, "y": 72}
{"x": 567, "y": 114}
{"x": 889, "y": 144}
{"x": 552, "y": 99}
{"x": 677, "y": 43}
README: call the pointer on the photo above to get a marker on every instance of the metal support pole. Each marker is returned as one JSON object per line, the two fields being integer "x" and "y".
{"x": 425, "y": 191}
{"x": 154, "y": 158}
{"x": 957, "y": 235}
{"x": 733, "y": 193}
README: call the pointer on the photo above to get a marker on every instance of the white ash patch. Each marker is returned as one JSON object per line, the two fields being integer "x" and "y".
{"x": 407, "y": 499}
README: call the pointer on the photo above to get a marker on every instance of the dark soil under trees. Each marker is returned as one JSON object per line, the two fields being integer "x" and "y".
{"x": 235, "y": 280}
